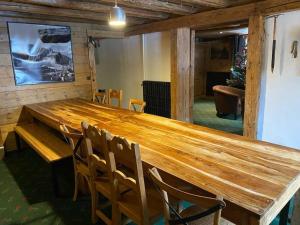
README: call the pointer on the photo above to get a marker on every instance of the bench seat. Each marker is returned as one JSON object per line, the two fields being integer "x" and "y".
{"x": 46, "y": 144}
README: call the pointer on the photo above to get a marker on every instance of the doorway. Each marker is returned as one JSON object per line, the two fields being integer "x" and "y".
{"x": 219, "y": 78}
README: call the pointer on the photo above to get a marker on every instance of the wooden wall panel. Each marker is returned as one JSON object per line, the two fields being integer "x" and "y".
{"x": 201, "y": 50}
{"x": 12, "y": 97}
{"x": 204, "y": 63}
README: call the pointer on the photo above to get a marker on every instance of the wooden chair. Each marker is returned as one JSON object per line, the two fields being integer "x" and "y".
{"x": 80, "y": 157}
{"x": 101, "y": 175}
{"x": 136, "y": 105}
{"x": 115, "y": 94}
{"x": 201, "y": 205}
{"x": 141, "y": 205}
{"x": 100, "y": 97}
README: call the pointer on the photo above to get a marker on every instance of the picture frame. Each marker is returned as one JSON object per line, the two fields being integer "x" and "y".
{"x": 41, "y": 53}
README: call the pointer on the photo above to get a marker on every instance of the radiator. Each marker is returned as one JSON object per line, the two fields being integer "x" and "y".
{"x": 157, "y": 96}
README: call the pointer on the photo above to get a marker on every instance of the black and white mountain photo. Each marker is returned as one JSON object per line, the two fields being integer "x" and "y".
{"x": 41, "y": 53}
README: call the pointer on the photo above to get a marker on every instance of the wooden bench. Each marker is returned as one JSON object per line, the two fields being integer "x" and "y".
{"x": 45, "y": 143}
{"x": 49, "y": 146}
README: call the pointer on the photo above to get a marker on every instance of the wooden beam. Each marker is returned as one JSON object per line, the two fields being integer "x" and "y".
{"x": 218, "y": 16}
{"x": 105, "y": 34}
{"x": 271, "y": 7}
{"x": 198, "y": 20}
{"x": 93, "y": 7}
{"x": 45, "y": 17}
{"x": 92, "y": 64}
{"x": 180, "y": 74}
{"x": 53, "y": 12}
{"x": 155, "y": 5}
{"x": 253, "y": 76}
{"x": 192, "y": 74}
{"x": 210, "y": 3}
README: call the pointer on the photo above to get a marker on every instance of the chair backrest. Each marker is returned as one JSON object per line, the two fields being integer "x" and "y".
{"x": 115, "y": 94}
{"x": 136, "y": 105}
{"x": 96, "y": 144}
{"x": 72, "y": 139}
{"x": 166, "y": 189}
{"x": 100, "y": 97}
{"x": 129, "y": 170}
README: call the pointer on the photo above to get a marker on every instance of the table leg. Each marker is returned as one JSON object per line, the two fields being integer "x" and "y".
{"x": 18, "y": 142}
{"x": 55, "y": 179}
{"x": 58, "y": 169}
{"x": 284, "y": 214}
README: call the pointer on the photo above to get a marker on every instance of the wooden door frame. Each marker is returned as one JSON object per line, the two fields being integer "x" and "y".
{"x": 253, "y": 76}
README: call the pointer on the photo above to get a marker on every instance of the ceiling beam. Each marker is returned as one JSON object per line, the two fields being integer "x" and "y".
{"x": 53, "y": 12}
{"x": 210, "y": 3}
{"x": 221, "y": 28}
{"x": 198, "y": 20}
{"x": 101, "y": 34}
{"x": 93, "y": 7}
{"x": 218, "y": 16}
{"x": 154, "y": 5}
{"x": 20, "y": 15}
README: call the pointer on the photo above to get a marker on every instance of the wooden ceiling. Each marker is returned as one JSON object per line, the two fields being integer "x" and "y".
{"x": 96, "y": 11}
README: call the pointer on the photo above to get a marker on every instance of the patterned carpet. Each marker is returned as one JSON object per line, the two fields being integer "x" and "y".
{"x": 204, "y": 113}
{"x": 26, "y": 194}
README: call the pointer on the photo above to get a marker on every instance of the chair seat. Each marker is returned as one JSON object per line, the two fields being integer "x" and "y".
{"x": 129, "y": 204}
{"x": 208, "y": 220}
{"x": 83, "y": 169}
{"x": 103, "y": 185}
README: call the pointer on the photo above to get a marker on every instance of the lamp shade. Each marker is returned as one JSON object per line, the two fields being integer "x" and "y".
{"x": 117, "y": 17}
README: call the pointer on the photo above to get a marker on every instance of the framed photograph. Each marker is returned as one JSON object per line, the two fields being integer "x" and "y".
{"x": 41, "y": 53}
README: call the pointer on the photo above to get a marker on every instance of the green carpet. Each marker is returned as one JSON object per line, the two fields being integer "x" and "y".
{"x": 27, "y": 198}
{"x": 204, "y": 114}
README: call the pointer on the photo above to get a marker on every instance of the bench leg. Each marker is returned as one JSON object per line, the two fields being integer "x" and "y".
{"x": 18, "y": 142}
{"x": 284, "y": 214}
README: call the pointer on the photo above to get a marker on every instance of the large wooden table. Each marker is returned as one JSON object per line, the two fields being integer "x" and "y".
{"x": 256, "y": 179}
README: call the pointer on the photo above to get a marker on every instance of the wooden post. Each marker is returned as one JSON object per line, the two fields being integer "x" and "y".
{"x": 92, "y": 65}
{"x": 181, "y": 82}
{"x": 253, "y": 77}
{"x": 192, "y": 74}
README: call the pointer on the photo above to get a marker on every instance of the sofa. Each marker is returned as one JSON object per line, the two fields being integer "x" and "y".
{"x": 229, "y": 100}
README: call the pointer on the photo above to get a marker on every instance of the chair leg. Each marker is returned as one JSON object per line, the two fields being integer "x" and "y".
{"x": 94, "y": 198}
{"x": 116, "y": 216}
{"x": 75, "y": 187}
{"x": 55, "y": 179}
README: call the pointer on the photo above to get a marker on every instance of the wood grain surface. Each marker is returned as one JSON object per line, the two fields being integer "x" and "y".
{"x": 256, "y": 176}
{"x": 49, "y": 147}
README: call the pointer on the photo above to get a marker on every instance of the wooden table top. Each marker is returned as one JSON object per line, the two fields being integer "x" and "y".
{"x": 254, "y": 175}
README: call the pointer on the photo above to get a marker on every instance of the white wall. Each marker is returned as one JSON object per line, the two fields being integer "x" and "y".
{"x": 279, "y": 120}
{"x": 157, "y": 53}
{"x": 119, "y": 66}
{"x": 125, "y": 63}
